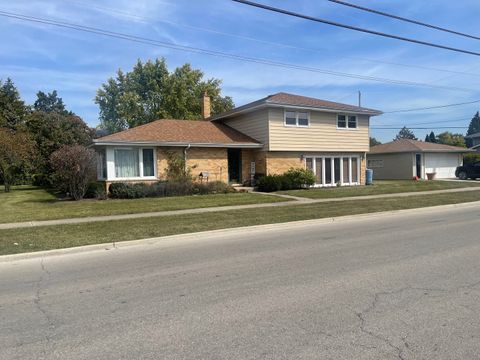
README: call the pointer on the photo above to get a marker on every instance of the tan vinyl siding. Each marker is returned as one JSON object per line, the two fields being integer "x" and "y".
{"x": 253, "y": 124}
{"x": 321, "y": 135}
{"x": 395, "y": 166}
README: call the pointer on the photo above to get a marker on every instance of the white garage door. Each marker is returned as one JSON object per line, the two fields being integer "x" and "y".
{"x": 442, "y": 164}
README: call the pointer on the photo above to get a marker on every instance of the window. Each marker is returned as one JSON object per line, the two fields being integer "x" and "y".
{"x": 375, "y": 163}
{"x": 352, "y": 122}
{"x": 347, "y": 122}
{"x": 101, "y": 164}
{"x": 126, "y": 163}
{"x": 133, "y": 162}
{"x": 294, "y": 118}
{"x": 334, "y": 170}
{"x": 148, "y": 167}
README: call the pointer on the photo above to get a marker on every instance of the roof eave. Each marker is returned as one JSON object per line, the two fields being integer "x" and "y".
{"x": 177, "y": 144}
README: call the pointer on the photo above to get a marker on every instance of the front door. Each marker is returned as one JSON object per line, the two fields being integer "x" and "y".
{"x": 418, "y": 165}
{"x": 235, "y": 166}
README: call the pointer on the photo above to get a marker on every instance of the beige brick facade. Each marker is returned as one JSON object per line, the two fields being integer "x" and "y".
{"x": 363, "y": 169}
{"x": 211, "y": 160}
{"x": 280, "y": 162}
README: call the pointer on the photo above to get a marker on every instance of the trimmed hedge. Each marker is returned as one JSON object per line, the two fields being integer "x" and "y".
{"x": 121, "y": 190}
{"x": 292, "y": 179}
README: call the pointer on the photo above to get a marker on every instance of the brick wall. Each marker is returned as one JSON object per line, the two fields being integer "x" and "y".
{"x": 280, "y": 162}
{"x": 363, "y": 168}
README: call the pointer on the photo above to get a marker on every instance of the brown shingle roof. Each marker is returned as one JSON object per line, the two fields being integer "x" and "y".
{"x": 407, "y": 145}
{"x": 181, "y": 132}
{"x": 286, "y": 99}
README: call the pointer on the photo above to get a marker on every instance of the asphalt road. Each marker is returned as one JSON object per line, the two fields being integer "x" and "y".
{"x": 404, "y": 286}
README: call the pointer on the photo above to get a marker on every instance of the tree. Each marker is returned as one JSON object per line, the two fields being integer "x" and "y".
{"x": 150, "y": 92}
{"x": 405, "y": 133}
{"x": 447, "y": 138}
{"x": 50, "y": 103}
{"x": 74, "y": 169}
{"x": 427, "y": 138}
{"x": 374, "y": 141}
{"x": 473, "y": 128}
{"x": 12, "y": 108}
{"x": 16, "y": 153}
{"x": 432, "y": 137}
{"x": 51, "y": 131}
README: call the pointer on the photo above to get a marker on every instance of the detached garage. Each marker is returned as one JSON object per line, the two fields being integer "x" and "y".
{"x": 404, "y": 159}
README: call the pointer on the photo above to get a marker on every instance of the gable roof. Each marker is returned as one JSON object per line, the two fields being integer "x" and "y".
{"x": 286, "y": 100}
{"x": 407, "y": 145}
{"x": 180, "y": 132}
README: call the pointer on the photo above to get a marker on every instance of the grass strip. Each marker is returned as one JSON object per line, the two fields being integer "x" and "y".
{"x": 63, "y": 236}
{"x": 380, "y": 187}
{"x": 31, "y": 203}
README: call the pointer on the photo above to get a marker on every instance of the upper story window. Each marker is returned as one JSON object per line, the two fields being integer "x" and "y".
{"x": 296, "y": 118}
{"x": 347, "y": 122}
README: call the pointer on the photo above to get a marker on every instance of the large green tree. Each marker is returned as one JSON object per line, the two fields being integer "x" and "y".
{"x": 473, "y": 128}
{"x": 51, "y": 131}
{"x": 374, "y": 142}
{"x": 405, "y": 133}
{"x": 150, "y": 92}
{"x": 448, "y": 138}
{"x": 16, "y": 154}
{"x": 50, "y": 102}
{"x": 12, "y": 107}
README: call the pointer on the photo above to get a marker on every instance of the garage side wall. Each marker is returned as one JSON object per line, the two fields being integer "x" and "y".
{"x": 391, "y": 166}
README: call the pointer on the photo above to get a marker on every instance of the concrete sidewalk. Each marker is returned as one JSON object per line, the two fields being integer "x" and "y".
{"x": 297, "y": 201}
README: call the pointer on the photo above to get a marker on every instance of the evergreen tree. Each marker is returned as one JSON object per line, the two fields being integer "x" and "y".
{"x": 50, "y": 103}
{"x": 405, "y": 133}
{"x": 432, "y": 137}
{"x": 12, "y": 108}
{"x": 374, "y": 141}
{"x": 427, "y": 138}
{"x": 473, "y": 128}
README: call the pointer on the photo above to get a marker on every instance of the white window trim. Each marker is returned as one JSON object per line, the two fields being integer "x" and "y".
{"x": 346, "y": 122}
{"x": 296, "y": 118}
{"x": 140, "y": 164}
{"x": 332, "y": 182}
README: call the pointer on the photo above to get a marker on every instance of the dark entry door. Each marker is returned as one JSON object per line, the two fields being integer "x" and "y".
{"x": 418, "y": 165}
{"x": 235, "y": 166}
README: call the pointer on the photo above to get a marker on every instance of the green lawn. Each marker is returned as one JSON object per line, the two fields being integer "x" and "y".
{"x": 26, "y": 203}
{"x": 379, "y": 187}
{"x": 62, "y": 236}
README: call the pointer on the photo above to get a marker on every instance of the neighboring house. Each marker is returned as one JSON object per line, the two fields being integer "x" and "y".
{"x": 404, "y": 159}
{"x": 475, "y": 141}
{"x": 268, "y": 136}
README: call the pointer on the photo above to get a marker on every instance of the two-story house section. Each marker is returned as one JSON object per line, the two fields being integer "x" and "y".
{"x": 267, "y": 136}
{"x": 329, "y": 138}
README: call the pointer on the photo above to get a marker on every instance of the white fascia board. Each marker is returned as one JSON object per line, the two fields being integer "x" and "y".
{"x": 179, "y": 144}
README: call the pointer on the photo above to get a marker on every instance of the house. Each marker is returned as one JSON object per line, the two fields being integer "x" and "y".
{"x": 475, "y": 141}
{"x": 405, "y": 158}
{"x": 267, "y": 136}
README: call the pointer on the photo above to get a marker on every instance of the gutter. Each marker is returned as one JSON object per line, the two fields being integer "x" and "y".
{"x": 179, "y": 144}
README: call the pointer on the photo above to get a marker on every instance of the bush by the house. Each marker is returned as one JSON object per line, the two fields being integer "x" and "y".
{"x": 96, "y": 190}
{"x": 292, "y": 179}
{"x": 167, "y": 188}
{"x": 74, "y": 168}
{"x": 471, "y": 158}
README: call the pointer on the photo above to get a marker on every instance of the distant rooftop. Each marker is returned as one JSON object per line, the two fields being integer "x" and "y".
{"x": 407, "y": 145}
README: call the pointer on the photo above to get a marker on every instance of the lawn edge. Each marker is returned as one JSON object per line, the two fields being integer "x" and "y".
{"x": 198, "y": 236}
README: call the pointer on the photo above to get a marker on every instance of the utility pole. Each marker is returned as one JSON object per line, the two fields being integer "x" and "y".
{"x": 359, "y": 98}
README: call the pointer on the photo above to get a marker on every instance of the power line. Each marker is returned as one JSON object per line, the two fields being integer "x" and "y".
{"x": 262, "y": 41}
{"x": 422, "y": 123}
{"x": 355, "y": 28}
{"x": 192, "y": 49}
{"x": 431, "y": 107}
{"x": 405, "y": 19}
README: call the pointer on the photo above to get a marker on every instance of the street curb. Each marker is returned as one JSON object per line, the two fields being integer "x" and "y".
{"x": 199, "y": 236}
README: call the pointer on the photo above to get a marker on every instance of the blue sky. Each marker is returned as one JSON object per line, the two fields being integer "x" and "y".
{"x": 41, "y": 57}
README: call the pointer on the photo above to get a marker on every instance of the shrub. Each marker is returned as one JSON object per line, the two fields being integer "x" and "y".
{"x": 471, "y": 158}
{"x": 292, "y": 179}
{"x": 74, "y": 167}
{"x": 167, "y": 188}
{"x": 270, "y": 183}
{"x": 96, "y": 190}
